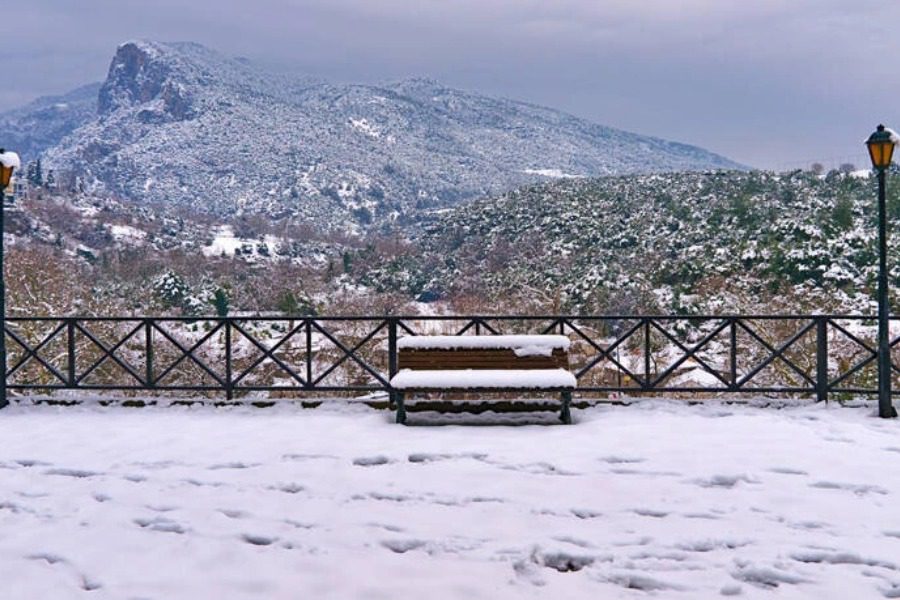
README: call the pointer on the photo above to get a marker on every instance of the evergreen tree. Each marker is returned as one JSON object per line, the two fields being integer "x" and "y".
{"x": 288, "y": 304}
{"x": 220, "y": 302}
{"x": 34, "y": 174}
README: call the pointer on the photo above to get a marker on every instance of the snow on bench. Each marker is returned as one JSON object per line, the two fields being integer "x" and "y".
{"x": 462, "y": 379}
{"x": 483, "y": 363}
{"x": 521, "y": 345}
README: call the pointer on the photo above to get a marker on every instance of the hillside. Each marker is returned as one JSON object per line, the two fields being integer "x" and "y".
{"x": 684, "y": 243}
{"x": 181, "y": 124}
{"x": 689, "y": 242}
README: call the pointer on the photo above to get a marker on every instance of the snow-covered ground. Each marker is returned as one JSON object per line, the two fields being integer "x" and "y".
{"x": 656, "y": 499}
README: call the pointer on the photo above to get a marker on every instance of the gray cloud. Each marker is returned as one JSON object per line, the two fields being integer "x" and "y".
{"x": 771, "y": 83}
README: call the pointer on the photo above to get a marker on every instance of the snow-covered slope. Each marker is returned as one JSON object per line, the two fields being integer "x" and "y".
{"x": 657, "y": 500}
{"x": 179, "y": 123}
{"x": 742, "y": 242}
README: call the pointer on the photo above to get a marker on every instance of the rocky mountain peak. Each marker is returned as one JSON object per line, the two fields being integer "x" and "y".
{"x": 143, "y": 74}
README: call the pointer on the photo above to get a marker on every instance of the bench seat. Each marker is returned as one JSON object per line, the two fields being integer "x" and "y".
{"x": 484, "y": 379}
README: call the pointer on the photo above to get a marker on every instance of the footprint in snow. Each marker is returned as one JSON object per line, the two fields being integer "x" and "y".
{"x": 161, "y": 507}
{"x": 234, "y": 514}
{"x": 723, "y": 481}
{"x": 385, "y": 497}
{"x": 161, "y": 524}
{"x": 540, "y": 468}
{"x": 200, "y": 483}
{"x": 387, "y": 527}
{"x": 764, "y": 577}
{"x": 232, "y": 465}
{"x": 574, "y": 541}
{"x": 426, "y": 457}
{"x": 306, "y": 456}
{"x": 288, "y": 488}
{"x": 86, "y": 583}
{"x": 371, "y": 461}
{"x": 30, "y": 462}
{"x": 701, "y": 515}
{"x": 649, "y": 512}
{"x": 787, "y": 471}
{"x": 841, "y": 558}
{"x": 586, "y": 513}
{"x": 402, "y": 546}
{"x": 258, "y": 540}
{"x": 661, "y": 556}
{"x": 76, "y": 473}
{"x": 809, "y": 525}
{"x": 622, "y": 460}
{"x": 89, "y": 584}
{"x": 642, "y": 583}
{"x": 564, "y": 562}
{"x": 858, "y": 489}
{"x": 49, "y": 558}
{"x": 160, "y": 464}
{"x": 709, "y": 545}
{"x": 620, "y": 471}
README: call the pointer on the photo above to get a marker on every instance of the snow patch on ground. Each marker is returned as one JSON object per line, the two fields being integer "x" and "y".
{"x": 127, "y": 233}
{"x": 656, "y": 499}
{"x": 552, "y": 173}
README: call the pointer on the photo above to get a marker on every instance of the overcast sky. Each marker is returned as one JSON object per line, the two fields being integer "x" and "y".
{"x": 771, "y": 83}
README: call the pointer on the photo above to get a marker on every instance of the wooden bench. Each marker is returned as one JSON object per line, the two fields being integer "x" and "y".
{"x": 483, "y": 363}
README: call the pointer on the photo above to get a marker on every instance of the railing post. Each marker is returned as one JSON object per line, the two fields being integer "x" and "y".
{"x": 733, "y": 339}
{"x": 229, "y": 386}
{"x": 148, "y": 353}
{"x": 309, "y": 376}
{"x": 822, "y": 359}
{"x": 647, "y": 353}
{"x": 392, "y": 346}
{"x": 395, "y": 398}
{"x": 70, "y": 352}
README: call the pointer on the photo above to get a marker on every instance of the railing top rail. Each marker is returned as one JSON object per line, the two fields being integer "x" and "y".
{"x": 779, "y": 317}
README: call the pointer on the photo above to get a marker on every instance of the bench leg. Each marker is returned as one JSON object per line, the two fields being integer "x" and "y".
{"x": 566, "y": 414}
{"x": 401, "y": 408}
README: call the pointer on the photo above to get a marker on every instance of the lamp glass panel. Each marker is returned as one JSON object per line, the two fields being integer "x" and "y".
{"x": 880, "y": 153}
{"x": 5, "y": 176}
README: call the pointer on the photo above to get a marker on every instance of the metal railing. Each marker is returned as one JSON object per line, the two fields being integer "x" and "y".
{"x": 817, "y": 355}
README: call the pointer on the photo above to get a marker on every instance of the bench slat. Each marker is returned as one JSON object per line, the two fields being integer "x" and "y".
{"x": 479, "y": 359}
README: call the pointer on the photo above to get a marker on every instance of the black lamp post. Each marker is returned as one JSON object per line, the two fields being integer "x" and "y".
{"x": 881, "y": 150}
{"x": 9, "y": 161}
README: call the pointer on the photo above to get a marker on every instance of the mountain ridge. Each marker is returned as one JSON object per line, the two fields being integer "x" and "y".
{"x": 183, "y": 124}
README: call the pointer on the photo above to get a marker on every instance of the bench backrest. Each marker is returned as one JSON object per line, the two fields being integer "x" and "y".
{"x": 440, "y": 355}
{"x": 478, "y": 358}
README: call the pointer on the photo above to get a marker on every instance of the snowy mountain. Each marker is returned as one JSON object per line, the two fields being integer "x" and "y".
{"x": 41, "y": 124}
{"x": 179, "y": 123}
